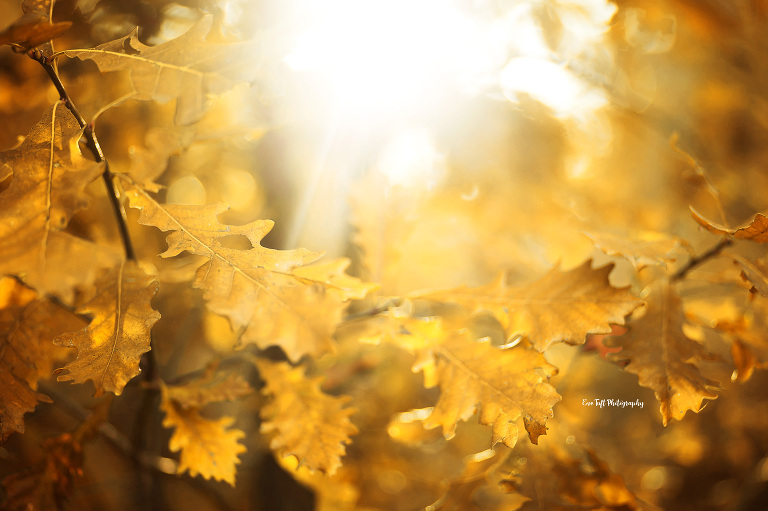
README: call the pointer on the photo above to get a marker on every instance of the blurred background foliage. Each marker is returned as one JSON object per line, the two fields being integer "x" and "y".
{"x": 571, "y": 117}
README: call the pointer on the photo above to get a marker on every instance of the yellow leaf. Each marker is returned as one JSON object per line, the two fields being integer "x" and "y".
{"x": 643, "y": 249}
{"x": 663, "y": 358}
{"x": 754, "y": 272}
{"x": 188, "y": 68}
{"x": 756, "y": 230}
{"x": 501, "y": 384}
{"x": 212, "y": 387}
{"x": 208, "y": 447}
{"x": 46, "y": 190}
{"x": 308, "y": 424}
{"x": 110, "y": 348}
{"x": 257, "y": 289}
{"x": 560, "y": 306}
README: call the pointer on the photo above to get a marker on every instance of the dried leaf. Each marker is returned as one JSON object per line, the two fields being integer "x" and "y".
{"x": 212, "y": 387}
{"x": 663, "y": 358}
{"x": 46, "y": 487}
{"x": 257, "y": 289}
{"x": 501, "y": 384}
{"x": 26, "y": 356}
{"x": 754, "y": 272}
{"x": 208, "y": 446}
{"x": 474, "y": 489}
{"x": 29, "y": 33}
{"x": 749, "y": 348}
{"x": 560, "y": 306}
{"x": 756, "y": 231}
{"x": 188, "y": 68}
{"x": 46, "y": 190}
{"x": 643, "y": 250}
{"x": 308, "y": 424}
{"x": 110, "y": 348}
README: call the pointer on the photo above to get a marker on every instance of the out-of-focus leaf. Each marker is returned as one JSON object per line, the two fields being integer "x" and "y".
{"x": 47, "y": 486}
{"x": 756, "y": 230}
{"x": 648, "y": 249}
{"x": 258, "y": 288}
{"x": 110, "y": 348}
{"x": 209, "y": 447}
{"x": 305, "y": 422}
{"x": 27, "y": 355}
{"x": 560, "y": 306}
{"x": 474, "y": 490}
{"x": 664, "y": 359}
{"x": 30, "y": 33}
{"x": 754, "y": 272}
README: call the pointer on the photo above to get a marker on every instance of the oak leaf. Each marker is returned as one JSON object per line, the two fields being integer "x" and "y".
{"x": 110, "y": 348}
{"x": 27, "y": 356}
{"x": 259, "y": 289}
{"x": 306, "y": 423}
{"x": 644, "y": 249}
{"x": 49, "y": 174}
{"x": 560, "y": 306}
{"x": 474, "y": 490}
{"x": 754, "y": 272}
{"x": 208, "y": 447}
{"x": 213, "y": 386}
{"x": 502, "y": 385}
{"x": 664, "y": 359}
{"x": 756, "y": 230}
{"x": 749, "y": 348}
{"x": 188, "y": 68}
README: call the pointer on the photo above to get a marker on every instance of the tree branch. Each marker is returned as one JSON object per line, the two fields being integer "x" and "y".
{"x": 92, "y": 143}
{"x": 696, "y": 261}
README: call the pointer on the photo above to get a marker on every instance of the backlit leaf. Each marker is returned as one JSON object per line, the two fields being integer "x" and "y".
{"x": 110, "y": 348}
{"x": 304, "y": 422}
{"x": 664, "y": 359}
{"x": 560, "y": 306}
{"x": 756, "y": 230}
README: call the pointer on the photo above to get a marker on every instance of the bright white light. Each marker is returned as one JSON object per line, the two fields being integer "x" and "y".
{"x": 376, "y": 55}
{"x": 552, "y": 84}
{"x": 410, "y": 158}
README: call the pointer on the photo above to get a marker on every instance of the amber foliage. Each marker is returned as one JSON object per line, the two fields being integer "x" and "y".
{"x": 224, "y": 287}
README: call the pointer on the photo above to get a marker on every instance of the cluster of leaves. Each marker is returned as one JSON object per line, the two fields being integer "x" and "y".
{"x": 89, "y": 302}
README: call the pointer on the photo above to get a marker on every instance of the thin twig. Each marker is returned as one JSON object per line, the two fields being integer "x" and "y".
{"x": 696, "y": 261}
{"x": 93, "y": 145}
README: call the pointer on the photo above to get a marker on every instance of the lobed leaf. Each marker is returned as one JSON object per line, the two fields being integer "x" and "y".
{"x": 110, "y": 348}
{"x": 756, "y": 230}
{"x": 307, "y": 423}
{"x": 188, "y": 68}
{"x": 664, "y": 359}
{"x": 49, "y": 175}
{"x": 560, "y": 306}
{"x": 259, "y": 289}
{"x": 26, "y": 356}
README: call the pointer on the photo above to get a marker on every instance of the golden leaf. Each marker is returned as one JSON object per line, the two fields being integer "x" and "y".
{"x": 664, "y": 359}
{"x": 188, "y": 68}
{"x": 208, "y": 447}
{"x": 29, "y": 33}
{"x": 560, "y": 306}
{"x": 258, "y": 289}
{"x": 754, "y": 272}
{"x": 749, "y": 348}
{"x": 308, "y": 424}
{"x": 46, "y": 190}
{"x": 212, "y": 387}
{"x": 501, "y": 384}
{"x": 474, "y": 489}
{"x": 27, "y": 355}
{"x": 110, "y": 348}
{"x": 644, "y": 249}
{"x": 756, "y": 230}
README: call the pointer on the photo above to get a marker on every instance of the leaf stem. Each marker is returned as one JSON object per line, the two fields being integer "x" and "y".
{"x": 49, "y": 64}
{"x": 696, "y": 261}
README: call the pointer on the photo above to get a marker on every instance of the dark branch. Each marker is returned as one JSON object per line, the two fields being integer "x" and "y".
{"x": 696, "y": 261}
